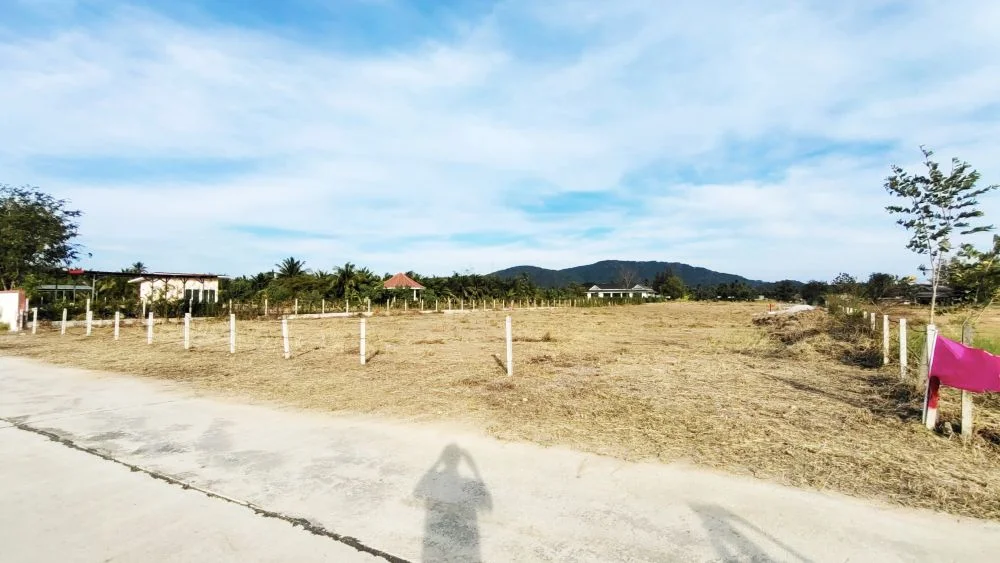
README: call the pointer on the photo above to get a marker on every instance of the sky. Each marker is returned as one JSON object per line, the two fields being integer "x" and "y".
{"x": 449, "y": 136}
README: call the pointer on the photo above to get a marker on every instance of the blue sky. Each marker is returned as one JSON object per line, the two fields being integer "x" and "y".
{"x": 443, "y": 136}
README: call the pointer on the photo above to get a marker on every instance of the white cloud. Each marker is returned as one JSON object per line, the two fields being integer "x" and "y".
{"x": 397, "y": 149}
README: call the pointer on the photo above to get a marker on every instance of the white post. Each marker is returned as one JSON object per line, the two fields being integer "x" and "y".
{"x": 187, "y": 331}
{"x": 966, "y": 416}
{"x": 902, "y": 349}
{"x": 144, "y": 308}
{"x": 461, "y": 304}
{"x": 232, "y": 333}
{"x": 406, "y": 305}
{"x": 347, "y": 305}
{"x": 873, "y": 322}
{"x": 63, "y": 329}
{"x": 930, "y": 395}
{"x": 510, "y": 349}
{"x": 284, "y": 338}
{"x": 323, "y": 307}
{"x": 90, "y": 322}
{"x": 494, "y": 304}
{"x": 88, "y": 307}
{"x": 363, "y": 340}
{"x": 885, "y": 340}
{"x": 296, "y": 305}
{"x": 149, "y": 329}
{"x": 449, "y": 303}
{"x": 34, "y": 320}
{"x": 368, "y": 301}
{"x": 118, "y": 316}
{"x": 435, "y": 305}
{"x": 265, "y": 306}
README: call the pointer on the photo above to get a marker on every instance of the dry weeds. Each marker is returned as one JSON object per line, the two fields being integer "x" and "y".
{"x": 678, "y": 381}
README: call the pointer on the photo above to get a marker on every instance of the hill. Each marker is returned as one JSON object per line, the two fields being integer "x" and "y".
{"x": 610, "y": 272}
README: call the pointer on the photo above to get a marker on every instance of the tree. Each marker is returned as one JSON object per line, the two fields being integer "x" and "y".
{"x": 346, "y": 280}
{"x": 844, "y": 284}
{"x": 880, "y": 285}
{"x": 975, "y": 275}
{"x": 627, "y": 277}
{"x": 814, "y": 292}
{"x": 290, "y": 268}
{"x": 936, "y": 206}
{"x": 36, "y": 233}
{"x": 669, "y": 284}
{"x": 785, "y": 290}
{"x": 136, "y": 268}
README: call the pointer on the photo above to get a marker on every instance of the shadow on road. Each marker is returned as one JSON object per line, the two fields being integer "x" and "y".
{"x": 730, "y": 537}
{"x": 453, "y": 502}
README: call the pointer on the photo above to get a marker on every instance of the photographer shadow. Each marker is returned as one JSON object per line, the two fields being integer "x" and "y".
{"x": 453, "y": 502}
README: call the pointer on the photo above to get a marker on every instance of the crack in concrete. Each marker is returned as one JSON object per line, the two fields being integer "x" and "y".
{"x": 304, "y": 523}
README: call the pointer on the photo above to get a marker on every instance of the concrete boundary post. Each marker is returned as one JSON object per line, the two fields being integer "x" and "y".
{"x": 363, "y": 339}
{"x": 510, "y": 348}
{"x": 284, "y": 338}
{"x": 902, "y": 349}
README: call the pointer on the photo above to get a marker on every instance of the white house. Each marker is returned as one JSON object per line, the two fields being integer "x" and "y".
{"x": 196, "y": 288}
{"x": 620, "y": 293}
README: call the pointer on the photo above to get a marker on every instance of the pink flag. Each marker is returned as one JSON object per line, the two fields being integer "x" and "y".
{"x": 963, "y": 367}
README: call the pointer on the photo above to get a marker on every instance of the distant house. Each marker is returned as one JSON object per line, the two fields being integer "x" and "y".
{"x": 923, "y": 292}
{"x": 403, "y": 281}
{"x": 57, "y": 291}
{"x": 193, "y": 288}
{"x": 620, "y": 293}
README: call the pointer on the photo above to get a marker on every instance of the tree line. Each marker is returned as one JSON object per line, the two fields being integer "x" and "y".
{"x": 38, "y": 235}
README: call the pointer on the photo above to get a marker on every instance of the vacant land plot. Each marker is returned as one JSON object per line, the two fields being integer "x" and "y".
{"x": 678, "y": 381}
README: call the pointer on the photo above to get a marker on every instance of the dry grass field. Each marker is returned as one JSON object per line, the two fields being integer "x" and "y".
{"x": 788, "y": 401}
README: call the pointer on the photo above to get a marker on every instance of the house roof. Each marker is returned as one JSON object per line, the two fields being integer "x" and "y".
{"x": 171, "y": 275}
{"x": 157, "y": 275}
{"x": 638, "y": 287}
{"x": 401, "y": 281}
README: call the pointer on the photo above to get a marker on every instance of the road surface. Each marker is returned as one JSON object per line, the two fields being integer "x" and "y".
{"x": 104, "y": 467}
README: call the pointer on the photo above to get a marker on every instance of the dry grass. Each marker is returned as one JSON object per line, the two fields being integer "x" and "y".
{"x": 788, "y": 401}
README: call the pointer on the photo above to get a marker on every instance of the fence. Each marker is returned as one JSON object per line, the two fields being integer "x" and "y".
{"x": 290, "y": 335}
{"x": 78, "y": 309}
{"x": 910, "y": 338}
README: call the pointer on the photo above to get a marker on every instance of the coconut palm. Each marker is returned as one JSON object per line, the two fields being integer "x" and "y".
{"x": 290, "y": 268}
{"x": 347, "y": 280}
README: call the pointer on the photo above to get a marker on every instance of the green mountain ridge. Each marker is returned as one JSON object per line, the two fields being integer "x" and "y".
{"x": 611, "y": 272}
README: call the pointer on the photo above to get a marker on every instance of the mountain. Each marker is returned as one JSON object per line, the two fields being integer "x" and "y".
{"x": 609, "y": 272}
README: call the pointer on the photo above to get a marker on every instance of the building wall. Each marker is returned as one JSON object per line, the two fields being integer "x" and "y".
{"x": 618, "y": 294}
{"x": 11, "y": 305}
{"x": 207, "y": 290}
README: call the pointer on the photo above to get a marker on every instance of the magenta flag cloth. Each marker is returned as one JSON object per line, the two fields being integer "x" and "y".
{"x": 963, "y": 367}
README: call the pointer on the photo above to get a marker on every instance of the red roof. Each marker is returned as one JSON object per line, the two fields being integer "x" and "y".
{"x": 401, "y": 281}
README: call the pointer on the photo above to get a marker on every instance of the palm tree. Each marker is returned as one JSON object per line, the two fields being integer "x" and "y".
{"x": 290, "y": 267}
{"x": 347, "y": 280}
{"x": 136, "y": 268}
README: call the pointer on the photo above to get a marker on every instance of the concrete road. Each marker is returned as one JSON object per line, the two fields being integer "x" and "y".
{"x": 60, "y": 504}
{"x": 94, "y": 467}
